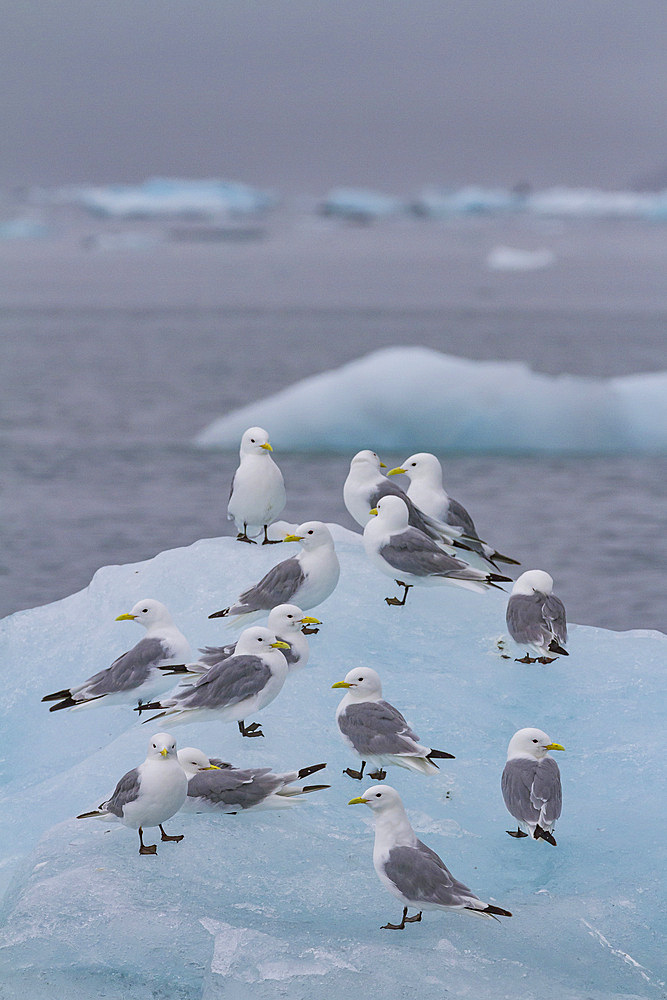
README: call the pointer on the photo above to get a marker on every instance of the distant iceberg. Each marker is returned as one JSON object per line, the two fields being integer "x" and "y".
{"x": 170, "y": 197}
{"x": 504, "y": 258}
{"x": 556, "y": 202}
{"x": 360, "y": 205}
{"x": 415, "y": 398}
{"x": 286, "y": 903}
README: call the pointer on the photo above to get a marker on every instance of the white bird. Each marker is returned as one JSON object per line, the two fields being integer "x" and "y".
{"x": 305, "y": 579}
{"x": 234, "y": 689}
{"x": 217, "y": 787}
{"x": 376, "y": 731}
{"x": 257, "y": 494}
{"x": 149, "y": 794}
{"x": 536, "y": 618}
{"x": 531, "y": 784}
{"x": 427, "y": 492}
{"x": 136, "y": 675}
{"x": 289, "y": 624}
{"x": 409, "y": 869}
{"x": 366, "y": 485}
{"x": 395, "y": 547}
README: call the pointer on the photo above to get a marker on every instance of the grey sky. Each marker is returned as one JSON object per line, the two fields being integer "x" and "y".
{"x": 301, "y": 95}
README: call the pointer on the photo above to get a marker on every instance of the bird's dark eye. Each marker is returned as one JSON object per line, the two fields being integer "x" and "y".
{"x": 413, "y": 464}
{"x": 252, "y": 440}
{"x": 261, "y": 640}
{"x": 290, "y": 616}
{"x": 534, "y": 741}
{"x": 310, "y": 532}
{"x": 145, "y": 611}
{"x": 155, "y": 746}
{"x": 378, "y": 795}
{"x": 360, "y": 678}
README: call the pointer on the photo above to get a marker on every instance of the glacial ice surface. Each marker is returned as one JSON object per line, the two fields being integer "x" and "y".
{"x": 415, "y": 398}
{"x": 286, "y": 903}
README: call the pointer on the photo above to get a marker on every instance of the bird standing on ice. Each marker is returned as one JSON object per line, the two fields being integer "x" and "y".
{"x": 396, "y": 547}
{"x": 376, "y": 731}
{"x": 136, "y": 675}
{"x": 536, "y": 618}
{"x": 305, "y": 579}
{"x": 531, "y": 784}
{"x": 148, "y": 795}
{"x": 289, "y": 624}
{"x": 257, "y": 494}
{"x": 409, "y": 869}
{"x": 427, "y": 492}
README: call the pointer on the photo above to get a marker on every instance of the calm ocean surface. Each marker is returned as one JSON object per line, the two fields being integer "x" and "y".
{"x": 100, "y": 405}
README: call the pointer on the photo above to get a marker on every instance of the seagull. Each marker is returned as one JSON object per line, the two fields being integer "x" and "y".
{"x": 427, "y": 492}
{"x": 536, "y": 618}
{"x": 409, "y": 869}
{"x": 221, "y": 788}
{"x": 305, "y": 579}
{"x": 257, "y": 494}
{"x": 376, "y": 731}
{"x": 148, "y": 795}
{"x": 365, "y": 485}
{"x": 531, "y": 785}
{"x": 136, "y": 675}
{"x": 396, "y": 547}
{"x": 289, "y": 624}
{"x": 238, "y": 686}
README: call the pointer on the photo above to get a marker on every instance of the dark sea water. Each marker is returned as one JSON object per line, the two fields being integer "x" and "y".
{"x": 101, "y": 403}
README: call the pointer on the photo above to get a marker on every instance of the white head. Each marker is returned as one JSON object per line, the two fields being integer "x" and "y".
{"x": 258, "y": 641}
{"x": 422, "y": 467}
{"x": 379, "y": 798}
{"x": 255, "y": 441}
{"x": 285, "y": 618}
{"x": 148, "y": 613}
{"x": 312, "y": 535}
{"x": 531, "y": 743}
{"x": 362, "y": 684}
{"x": 393, "y": 511}
{"x": 533, "y": 581}
{"x": 162, "y": 745}
{"x": 192, "y": 761}
{"x": 366, "y": 461}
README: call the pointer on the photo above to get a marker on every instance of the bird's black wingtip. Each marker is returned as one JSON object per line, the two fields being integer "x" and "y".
{"x": 220, "y": 614}
{"x": 57, "y": 695}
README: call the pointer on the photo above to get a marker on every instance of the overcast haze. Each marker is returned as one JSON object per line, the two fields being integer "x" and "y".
{"x": 303, "y": 95}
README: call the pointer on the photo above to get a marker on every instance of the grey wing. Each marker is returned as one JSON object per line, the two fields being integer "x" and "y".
{"x": 232, "y": 681}
{"x": 420, "y": 875}
{"x": 234, "y": 787}
{"x": 213, "y": 655}
{"x": 376, "y": 727}
{"x": 553, "y": 610}
{"x": 220, "y": 763}
{"x": 277, "y": 587}
{"x": 127, "y": 790}
{"x": 546, "y": 793}
{"x": 128, "y": 671}
{"x": 410, "y": 551}
{"x": 525, "y": 619}
{"x": 517, "y": 787}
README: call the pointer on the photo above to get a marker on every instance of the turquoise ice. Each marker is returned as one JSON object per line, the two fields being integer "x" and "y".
{"x": 287, "y": 903}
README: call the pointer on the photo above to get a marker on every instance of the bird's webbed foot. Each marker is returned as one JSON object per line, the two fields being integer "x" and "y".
{"x": 146, "y": 848}
{"x": 525, "y": 659}
{"x": 546, "y": 659}
{"x": 355, "y": 774}
{"x": 405, "y": 919}
{"x": 243, "y": 536}
{"x": 165, "y": 836}
{"x": 379, "y": 775}
{"x": 309, "y": 631}
{"x": 270, "y": 541}
{"x": 516, "y": 833}
{"x": 394, "y": 600}
{"x": 540, "y": 834}
{"x": 252, "y": 730}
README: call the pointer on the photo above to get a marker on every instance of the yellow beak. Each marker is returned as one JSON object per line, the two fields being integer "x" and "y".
{"x": 164, "y": 752}
{"x": 341, "y": 684}
{"x": 280, "y": 645}
{"x": 374, "y": 511}
{"x": 267, "y": 447}
{"x": 383, "y": 465}
{"x": 211, "y": 767}
{"x": 126, "y": 618}
{"x": 395, "y": 472}
{"x": 309, "y": 621}
{"x": 359, "y": 801}
{"x": 293, "y": 538}
{"x": 555, "y": 746}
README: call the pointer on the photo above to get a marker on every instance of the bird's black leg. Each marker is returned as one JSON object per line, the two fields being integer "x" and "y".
{"x": 165, "y": 836}
{"x": 146, "y": 848}
{"x": 270, "y": 541}
{"x": 516, "y": 833}
{"x": 140, "y": 706}
{"x": 395, "y": 600}
{"x": 405, "y": 919}
{"x": 379, "y": 775}
{"x": 356, "y": 774}
{"x": 252, "y": 730}
{"x": 243, "y": 536}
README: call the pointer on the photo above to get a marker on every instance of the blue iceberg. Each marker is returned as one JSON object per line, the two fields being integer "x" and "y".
{"x": 172, "y": 197}
{"x": 287, "y": 903}
{"x": 414, "y": 398}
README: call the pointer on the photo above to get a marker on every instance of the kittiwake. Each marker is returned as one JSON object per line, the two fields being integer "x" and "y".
{"x": 257, "y": 494}
{"x": 531, "y": 785}
{"x": 536, "y": 618}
